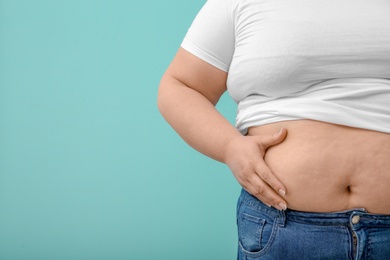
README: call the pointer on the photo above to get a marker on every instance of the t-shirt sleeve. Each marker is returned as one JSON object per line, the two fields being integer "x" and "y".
{"x": 211, "y": 35}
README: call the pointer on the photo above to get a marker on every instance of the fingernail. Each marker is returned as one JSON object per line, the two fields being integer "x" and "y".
{"x": 282, "y": 192}
{"x": 281, "y": 206}
{"x": 281, "y": 130}
{"x": 278, "y": 207}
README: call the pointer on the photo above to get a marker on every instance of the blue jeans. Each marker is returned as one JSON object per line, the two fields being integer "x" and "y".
{"x": 267, "y": 233}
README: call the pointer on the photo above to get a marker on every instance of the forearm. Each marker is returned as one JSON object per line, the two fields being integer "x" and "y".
{"x": 195, "y": 119}
{"x": 188, "y": 93}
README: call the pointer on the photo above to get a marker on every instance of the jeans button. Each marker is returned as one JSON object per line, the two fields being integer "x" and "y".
{"x": 355, "y": 219}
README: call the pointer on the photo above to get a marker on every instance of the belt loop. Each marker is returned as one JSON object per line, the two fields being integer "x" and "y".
{"x": 282, "y": 218}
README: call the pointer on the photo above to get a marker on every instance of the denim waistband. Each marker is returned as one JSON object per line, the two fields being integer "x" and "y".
{"x": 358, "y": 217}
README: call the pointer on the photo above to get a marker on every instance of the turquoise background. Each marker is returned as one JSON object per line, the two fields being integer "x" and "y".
{"x": 88, "y": 167}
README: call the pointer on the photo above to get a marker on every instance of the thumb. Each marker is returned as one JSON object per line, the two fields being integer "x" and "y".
{"x": 270, "y": 140}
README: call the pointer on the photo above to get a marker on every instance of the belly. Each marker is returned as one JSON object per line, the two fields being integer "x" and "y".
{"x": 328, "y": 167}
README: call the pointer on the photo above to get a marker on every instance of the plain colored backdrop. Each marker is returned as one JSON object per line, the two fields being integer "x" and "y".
{"x": 88, "y": 167}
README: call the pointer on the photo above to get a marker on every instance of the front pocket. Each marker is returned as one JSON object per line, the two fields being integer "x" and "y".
{"x": 250, "y": 232}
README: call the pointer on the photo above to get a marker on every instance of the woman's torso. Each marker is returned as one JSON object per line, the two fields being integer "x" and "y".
{"x": 327, "y": 167}
{"x": 319, "y": 60}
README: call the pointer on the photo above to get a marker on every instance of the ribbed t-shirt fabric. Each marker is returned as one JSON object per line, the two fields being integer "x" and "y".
{"x": 300, "y": 59}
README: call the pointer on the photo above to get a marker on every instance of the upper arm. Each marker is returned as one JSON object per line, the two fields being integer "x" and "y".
{"x": 190, "y": 71}
{"x": 206, "y": 52}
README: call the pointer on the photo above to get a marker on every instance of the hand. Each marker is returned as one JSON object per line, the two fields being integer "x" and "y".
{"x": 245, "y": 158}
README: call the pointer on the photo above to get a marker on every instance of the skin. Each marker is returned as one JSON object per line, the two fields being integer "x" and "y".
{"x": 329, "y": 168}
{"x": 304, "y": 165}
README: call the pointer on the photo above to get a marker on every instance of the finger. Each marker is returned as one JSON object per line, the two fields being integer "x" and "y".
{"x": 256, "y": 186}
{"x": 266, "y": 175}
{"x": 264, "y": 193}
{"x": 270, "y": 140}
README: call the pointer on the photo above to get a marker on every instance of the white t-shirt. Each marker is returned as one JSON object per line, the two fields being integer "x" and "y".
{"x": 323, "y": 60}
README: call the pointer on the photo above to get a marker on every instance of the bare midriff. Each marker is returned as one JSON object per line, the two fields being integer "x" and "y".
{"x": 327, "y": 167}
